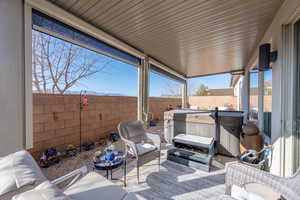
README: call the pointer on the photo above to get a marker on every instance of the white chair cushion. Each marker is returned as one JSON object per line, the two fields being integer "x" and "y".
{"x": 145, "y": 148}
{"x": 95, "y": 187}
{"x": 17, "y": 170}
{"x": 263, "y": 191}
{"x": 45, "y": 191}
{"x": 242, "y": 194}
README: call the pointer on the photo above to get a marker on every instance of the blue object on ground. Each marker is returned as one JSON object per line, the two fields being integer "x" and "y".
{"x": 109, "y": 156}
{"x": 50, "y": 156}
{"x": 118, "y": 160}
{"x": 114, "y": 136}
{"x": 152, "y": 123}
{"x": 88, "y": 146}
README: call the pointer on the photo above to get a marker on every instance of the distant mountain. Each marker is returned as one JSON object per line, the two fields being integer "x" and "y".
{"x": 95, "y": 93}
{"x": 88, "y": 92}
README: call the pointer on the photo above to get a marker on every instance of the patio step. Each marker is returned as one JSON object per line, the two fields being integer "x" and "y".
{"x": 191, "y": 159}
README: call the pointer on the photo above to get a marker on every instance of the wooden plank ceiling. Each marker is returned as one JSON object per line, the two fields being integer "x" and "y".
{"x": 194, "y": 37}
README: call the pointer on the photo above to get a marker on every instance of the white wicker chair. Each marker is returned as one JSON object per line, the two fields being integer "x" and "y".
{"x": 136, "y": 138}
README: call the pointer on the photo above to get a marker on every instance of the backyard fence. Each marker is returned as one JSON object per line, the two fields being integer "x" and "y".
{"x": 56, "y": 118}
{"x": 211, "y": 102}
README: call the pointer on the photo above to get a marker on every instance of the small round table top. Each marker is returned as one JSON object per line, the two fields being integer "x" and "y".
{"x": 118, "y": 161}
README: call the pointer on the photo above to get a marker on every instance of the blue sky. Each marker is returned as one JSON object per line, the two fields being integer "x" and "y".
{"x": 212, "y": 82}
{"x": 122, "y": 78}
{"x": 254, "y": 78}
{"x": 117, "y": 77}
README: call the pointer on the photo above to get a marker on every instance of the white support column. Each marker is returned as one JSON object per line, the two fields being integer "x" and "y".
{"x": 12, "y": 76}
{"x": 246, "y": 95}
{"x": 28, "y": 76}
{"x": 143, "y": 96}
{"x": 140, "y": 93}
{"x": 184, "y": 100}
{"x": 261, "y": 101}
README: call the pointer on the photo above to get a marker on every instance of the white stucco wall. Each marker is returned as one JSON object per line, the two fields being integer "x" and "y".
{"x": 11, "y": 76}
{"x": 276, "y": 118}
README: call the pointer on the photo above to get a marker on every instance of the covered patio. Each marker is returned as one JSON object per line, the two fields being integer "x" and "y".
{"x": 175, "y": 39}
{"x": 172, "y": 181}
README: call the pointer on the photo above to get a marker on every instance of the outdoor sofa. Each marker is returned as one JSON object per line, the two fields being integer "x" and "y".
{"x": 22, "y": 178}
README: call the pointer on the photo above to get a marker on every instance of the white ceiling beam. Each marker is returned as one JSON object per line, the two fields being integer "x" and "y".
{"x": 165, "y": 68}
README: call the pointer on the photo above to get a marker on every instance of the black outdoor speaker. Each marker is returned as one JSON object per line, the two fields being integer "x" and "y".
{"x": 266, "y": 57}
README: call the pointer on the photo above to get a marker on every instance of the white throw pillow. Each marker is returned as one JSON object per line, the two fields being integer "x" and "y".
{"x": 242, "y": 194}
{"x": 45, "y": 191}
{"x": 17, "y": 170}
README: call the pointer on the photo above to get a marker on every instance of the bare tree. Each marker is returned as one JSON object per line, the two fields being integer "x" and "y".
{"x": 192, "y": 89}
{"x": 172, "y": 89}
{"x": 175, "y": 89}
{"x": 59, "y": 65}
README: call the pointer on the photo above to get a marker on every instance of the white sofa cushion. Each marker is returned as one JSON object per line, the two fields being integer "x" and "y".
{"x": 95, "y": 187}
{"x": 17, "y": 170}
{"x": 45, "y": 191}
{"x": 242, "y": 194}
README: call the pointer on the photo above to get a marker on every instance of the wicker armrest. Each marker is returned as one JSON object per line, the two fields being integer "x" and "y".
{"x": 130, "y": 145}
{"x": 240, "y": 174}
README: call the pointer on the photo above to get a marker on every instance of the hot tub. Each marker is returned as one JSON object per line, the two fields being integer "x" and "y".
{"x": 224, "y": 126}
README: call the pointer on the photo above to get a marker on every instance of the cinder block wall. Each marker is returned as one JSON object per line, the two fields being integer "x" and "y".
{"x": 267, "y": 103}
{"x": 56, "y": 118}
{"x": 158, "y": 105}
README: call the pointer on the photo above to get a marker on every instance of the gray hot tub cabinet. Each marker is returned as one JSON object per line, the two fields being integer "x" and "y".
{"x": 224, "y": 126}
